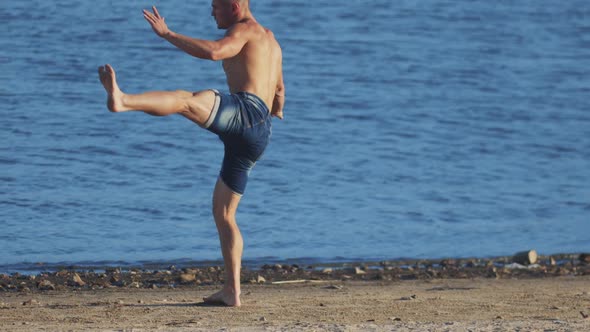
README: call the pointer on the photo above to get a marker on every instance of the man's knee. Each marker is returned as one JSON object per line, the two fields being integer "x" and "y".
{"x": 221, "y": 212}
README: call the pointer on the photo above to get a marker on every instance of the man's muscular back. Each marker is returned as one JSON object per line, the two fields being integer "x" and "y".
{"x": 257, "y": 68}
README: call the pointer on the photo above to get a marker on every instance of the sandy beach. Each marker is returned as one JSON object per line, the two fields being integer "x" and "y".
{"x": 481, "y": 304}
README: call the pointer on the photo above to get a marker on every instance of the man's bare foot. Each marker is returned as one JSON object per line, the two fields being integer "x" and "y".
{"x": 108, "y": 79}
{"x": 223, "y": 297}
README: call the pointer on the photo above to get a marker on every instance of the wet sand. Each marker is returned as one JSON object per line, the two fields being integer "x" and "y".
{"x": 545, "y": 304}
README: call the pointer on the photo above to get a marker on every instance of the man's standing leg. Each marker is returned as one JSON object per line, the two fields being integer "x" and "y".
{"x": 225, "y": 204}
{"x": 197, "y": 108}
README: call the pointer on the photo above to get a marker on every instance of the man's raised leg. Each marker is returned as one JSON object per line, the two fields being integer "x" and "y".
{"x": 194, "y": 106}
{"x": 225, "y": 204}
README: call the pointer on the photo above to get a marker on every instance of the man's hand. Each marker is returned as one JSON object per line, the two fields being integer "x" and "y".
{"x": 157, "y": 22}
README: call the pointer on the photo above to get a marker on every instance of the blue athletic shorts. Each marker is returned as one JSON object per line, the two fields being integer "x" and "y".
{"x": 242, "y": 122}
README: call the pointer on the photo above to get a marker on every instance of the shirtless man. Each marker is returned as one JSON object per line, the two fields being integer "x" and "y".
{"x": 252, "y": 61}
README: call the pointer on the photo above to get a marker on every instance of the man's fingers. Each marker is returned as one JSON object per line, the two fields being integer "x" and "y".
{"x": 156, "y": 12}
{"x": 149, "y": 14}
{"x": 150, "y": 19}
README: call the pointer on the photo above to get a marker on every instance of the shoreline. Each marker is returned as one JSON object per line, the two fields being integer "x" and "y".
{"x": 479, "y": 304}
{"x": 30, "y": 268}
{"x": 507, "y": 267}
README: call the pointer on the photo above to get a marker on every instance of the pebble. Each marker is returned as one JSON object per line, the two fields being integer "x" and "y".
{"x": 46, "y": 285}
{"x": 334, "y": 287}
{"x": 186, "y": 277}
{"x": 31, "y": 302}
{"x": 77, "y": 280}
{"x": 260, "y": 279}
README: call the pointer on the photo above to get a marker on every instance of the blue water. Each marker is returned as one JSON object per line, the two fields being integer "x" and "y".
{"x": 412, "y": 129}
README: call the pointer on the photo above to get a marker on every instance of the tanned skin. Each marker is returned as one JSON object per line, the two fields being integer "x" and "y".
{"x": 252, "y": 61}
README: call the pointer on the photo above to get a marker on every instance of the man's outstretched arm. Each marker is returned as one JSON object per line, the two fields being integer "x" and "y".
{"x": 229, "y": 46}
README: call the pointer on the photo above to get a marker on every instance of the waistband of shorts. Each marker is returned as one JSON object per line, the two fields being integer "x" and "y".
{"x": 255, "y": 98}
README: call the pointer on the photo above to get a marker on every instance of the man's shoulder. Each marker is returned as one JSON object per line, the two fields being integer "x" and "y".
{"x": 249, "y": 28}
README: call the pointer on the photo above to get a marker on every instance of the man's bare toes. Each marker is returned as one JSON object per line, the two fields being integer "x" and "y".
{"x": 102, "y": 74}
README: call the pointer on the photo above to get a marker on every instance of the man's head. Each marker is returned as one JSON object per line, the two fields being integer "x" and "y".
{"x": 228, "y": 12}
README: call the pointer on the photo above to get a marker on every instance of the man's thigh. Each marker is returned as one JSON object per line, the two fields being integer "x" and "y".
{"x": 200, "y": 105}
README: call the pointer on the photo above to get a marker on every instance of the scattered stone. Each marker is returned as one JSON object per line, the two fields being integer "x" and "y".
{"x": 77, "y": 280}
{"x": 115, "y": 279}
{"x": 187, "y": 278}
{"x": 408, "y": 298}
{"x": 552, "y": 261}
{"x": 499, "y": 317}
{"x": 585, "y": 316}
{"x": 525, "y": 257}
{"x": 140, "y": 302}
{"x": 31, "y": 302}
{"x": 585, "y": 258}
{"x": 172, "y": 268}
{"x": 134, "y": 284}
{"x": 448, "y": 263}
{"x": 327, "y": 271}
{"x": 45, "y": 285}
{"x": 396, "y": 319}
{"x": 262, "y": 319}
{"x": 334, "y": 287}
{"x": 154, "y": 286}
{"x": 24, "y": 289}
{"x": 358, "y": 271}
{"x": 322, "y": 305}
{"x": 260, "y": 279}
{"x": 62, "y": 273}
